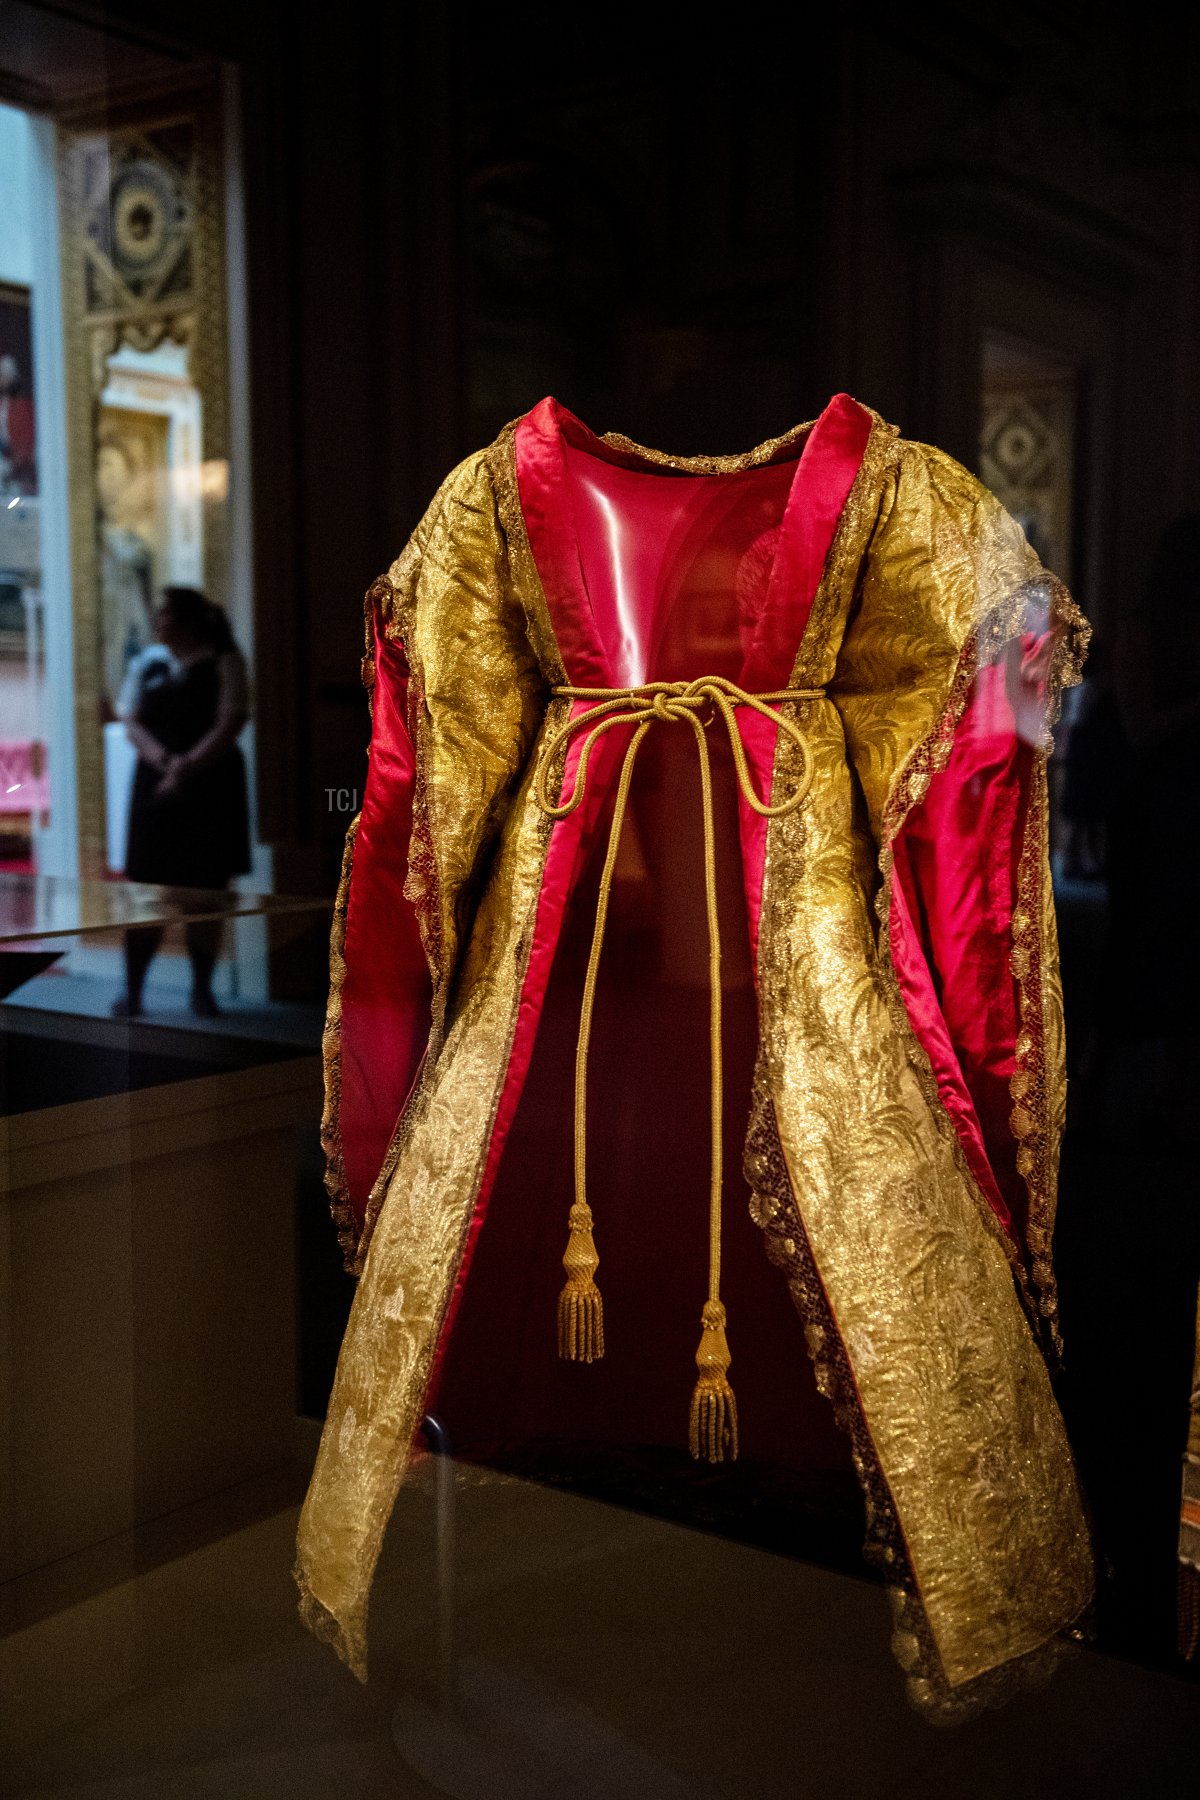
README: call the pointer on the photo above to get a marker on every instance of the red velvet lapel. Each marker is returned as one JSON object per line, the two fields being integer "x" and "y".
{"x": 825, "y": 474}
{"x": 549, "y": 522}
{"x": 830, "y": 460}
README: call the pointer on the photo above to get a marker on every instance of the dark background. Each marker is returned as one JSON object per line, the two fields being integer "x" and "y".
{"x": 694, "y": 228}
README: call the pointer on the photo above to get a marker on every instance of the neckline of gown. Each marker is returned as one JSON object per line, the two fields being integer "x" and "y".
{"x": 616, "y": 447}
{"x": 831, "y": 449}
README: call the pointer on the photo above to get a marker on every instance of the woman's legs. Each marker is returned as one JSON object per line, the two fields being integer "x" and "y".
{"x": 141, "y": 946}
{"x": 203, "y": 942}
{"x": 203, "y": 938}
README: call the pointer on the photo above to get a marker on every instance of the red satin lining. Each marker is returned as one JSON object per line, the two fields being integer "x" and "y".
{"x": 953, "y": 898}
{"x": 386, "y": 989}
{"x": 625, "y": 561}
{"x": 829, "y": 462}
{"x": 550, "y": 525}
{"x": 682, "y": 638}
{"x": 832, "y": 454}
{"x": 502, "y": 1386}
{"x": 652, "y": 550}
{"x": 623, "y": 544}
{"x": 570, "y": 842}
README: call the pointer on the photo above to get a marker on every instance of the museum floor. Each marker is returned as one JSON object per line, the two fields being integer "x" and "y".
{"x": 597, "y": 1653}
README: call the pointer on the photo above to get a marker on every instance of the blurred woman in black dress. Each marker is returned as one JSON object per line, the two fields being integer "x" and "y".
{"x": 185, "y": 706}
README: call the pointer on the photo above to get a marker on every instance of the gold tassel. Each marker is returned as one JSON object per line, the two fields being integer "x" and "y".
{"x": 714, "y": 1432}
{"x": 580, "y": 1308}
{"x": 696, "y": 703}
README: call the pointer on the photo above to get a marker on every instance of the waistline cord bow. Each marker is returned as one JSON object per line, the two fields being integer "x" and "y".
{"x": 713, "y": 1426}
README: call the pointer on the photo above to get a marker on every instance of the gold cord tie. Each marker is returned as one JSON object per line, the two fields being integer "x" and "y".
{"x": 713, "y": 1428}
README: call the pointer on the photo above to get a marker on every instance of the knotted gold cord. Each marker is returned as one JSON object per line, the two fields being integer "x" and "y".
{"x": 713, "y": 1430}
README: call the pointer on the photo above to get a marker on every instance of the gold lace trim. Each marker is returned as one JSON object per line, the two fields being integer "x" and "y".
{"x": 711, "y": 465}
{"x": 394, "y": 592}
{"x": 331, "y": 1058}
{"x": 1030, "y": 1117}
{"x": 378, "y": 594}
{"x": 421, "y": 882}
{"x": 1038, "y": 1090}
{"x": 502, "y": 466}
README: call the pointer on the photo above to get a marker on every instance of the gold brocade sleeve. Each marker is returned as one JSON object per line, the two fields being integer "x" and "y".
{"x": 901, "y": 1271}
{"x": 949, "y": 584}
{"x": 465, "y": 600}
{"x": 476, "y": 700}
{"x": 948, "y": 580}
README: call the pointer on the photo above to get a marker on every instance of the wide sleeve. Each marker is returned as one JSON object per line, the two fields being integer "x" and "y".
{"x": 455, "y": 698}
{"x": 948, "y": 679}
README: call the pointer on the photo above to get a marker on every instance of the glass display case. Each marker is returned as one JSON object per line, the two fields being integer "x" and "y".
{"x": 730, "y": 908}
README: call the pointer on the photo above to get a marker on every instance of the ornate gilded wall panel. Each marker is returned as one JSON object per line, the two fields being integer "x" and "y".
{"x": 1027, "y": 443}
{"x": 142, "y": 233}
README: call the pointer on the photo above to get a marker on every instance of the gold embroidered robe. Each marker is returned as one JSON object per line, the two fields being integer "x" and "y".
{"x": 908, "y": 1090}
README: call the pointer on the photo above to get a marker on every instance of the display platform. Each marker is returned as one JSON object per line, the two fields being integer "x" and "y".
{"x": 151, "y": 1171}
{"x": 566, "y": 1647}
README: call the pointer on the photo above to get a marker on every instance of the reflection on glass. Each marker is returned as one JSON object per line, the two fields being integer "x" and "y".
{"x": 1027, "y": 442}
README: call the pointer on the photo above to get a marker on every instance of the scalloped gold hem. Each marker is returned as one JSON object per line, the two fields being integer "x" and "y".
{"x": 1024, "y": 1674}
